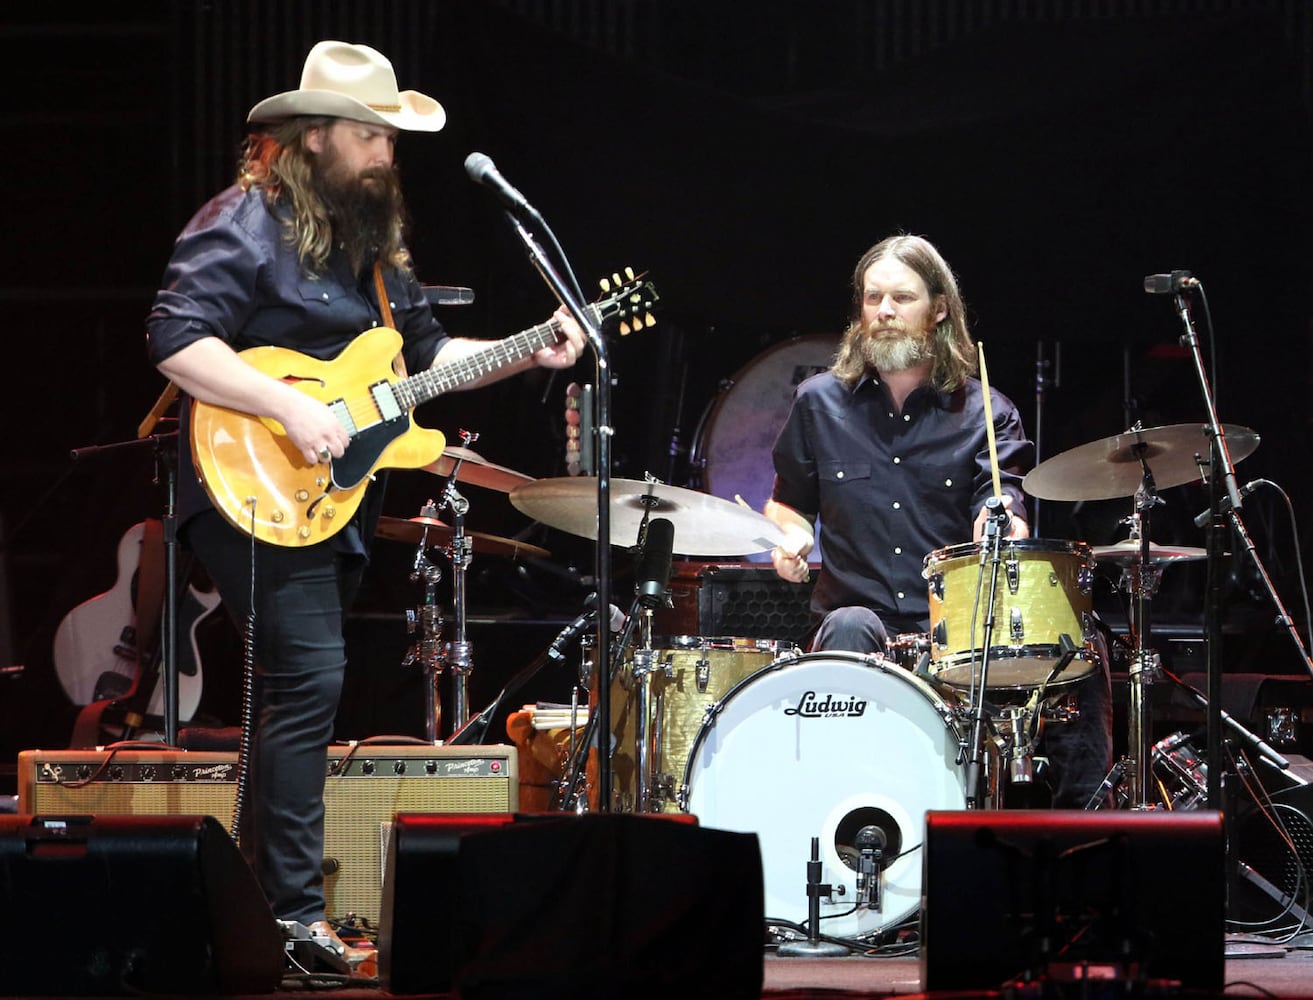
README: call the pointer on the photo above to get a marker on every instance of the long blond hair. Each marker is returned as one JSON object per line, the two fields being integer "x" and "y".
{"x": 954, "y": 354}
{"x": 279, "y": 163}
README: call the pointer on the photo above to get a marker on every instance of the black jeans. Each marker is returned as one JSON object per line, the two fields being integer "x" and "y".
{"x": 1079, "y": 751}
{"x": 300, "y": 658}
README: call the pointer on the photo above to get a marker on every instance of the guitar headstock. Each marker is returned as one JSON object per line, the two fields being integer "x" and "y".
{"x": 630, "y": 298}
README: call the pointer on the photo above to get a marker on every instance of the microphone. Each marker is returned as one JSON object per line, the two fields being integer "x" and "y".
{"x": 1204, "y": 517}
{"x": 870, "y": 842}
{"x": 1170, "y": 284}
{"x": 572, "y": 630}
{"x": 482, "y": 170}
{"x": 617, "y": 619}
{"x": 654, "y": 566}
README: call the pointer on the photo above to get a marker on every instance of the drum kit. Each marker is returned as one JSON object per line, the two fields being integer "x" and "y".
{"x": 849, "y": 750}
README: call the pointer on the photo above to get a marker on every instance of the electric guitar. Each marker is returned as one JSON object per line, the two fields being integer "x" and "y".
{"x": 96, "y": 644}
{"x": 261, "y": 483}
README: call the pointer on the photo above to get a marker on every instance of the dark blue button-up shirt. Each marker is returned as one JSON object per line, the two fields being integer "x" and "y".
{"x": 890, "y": 487}
{"x": 233, "y": 275}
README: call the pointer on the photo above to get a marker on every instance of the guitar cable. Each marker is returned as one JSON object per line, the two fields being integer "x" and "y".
{"x": 248, "y": 693}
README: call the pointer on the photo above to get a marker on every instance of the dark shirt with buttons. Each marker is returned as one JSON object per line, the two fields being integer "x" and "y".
{"x": 890, "y": 487}
{"x": 233, "y": 275}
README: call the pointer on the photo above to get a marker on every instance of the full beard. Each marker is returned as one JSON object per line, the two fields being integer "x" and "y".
{"x": 895, "y": 350}
{"x": 367, "y": 210}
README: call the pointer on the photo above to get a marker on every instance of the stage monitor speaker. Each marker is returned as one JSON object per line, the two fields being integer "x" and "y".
{"x": 1061, "y": 895}
{"x": 367, "y": 785}
{"x": 1273, "y": 850}
{"x": 563, "y": 906}
{"x": 117, "y": 905}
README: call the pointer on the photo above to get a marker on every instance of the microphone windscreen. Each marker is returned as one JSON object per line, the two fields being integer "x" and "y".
{"x": 654, "y": 566}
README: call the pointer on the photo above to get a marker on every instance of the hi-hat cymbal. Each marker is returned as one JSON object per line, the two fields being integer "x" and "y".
{"x": 1127, "y": 553}
{"x": 413, "y": 529}
{"x": 1103, "y": 470}
{"x": 477, "y": 470}
{"x": 705, "y": 525}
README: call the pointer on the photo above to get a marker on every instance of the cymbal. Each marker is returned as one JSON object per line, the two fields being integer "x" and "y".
{"x": 411, "y": 530}
{"x": 704, "y": 524}
{"x": 1127, "y": 553}
{"x": 477, "y": 470}
{"x": 1103, "y": 470}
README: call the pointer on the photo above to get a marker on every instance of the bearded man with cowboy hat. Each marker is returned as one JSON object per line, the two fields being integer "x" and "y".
{"x": 293, "y": 255}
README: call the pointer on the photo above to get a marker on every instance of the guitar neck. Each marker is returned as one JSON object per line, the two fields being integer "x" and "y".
{"x": 499, "y": 354}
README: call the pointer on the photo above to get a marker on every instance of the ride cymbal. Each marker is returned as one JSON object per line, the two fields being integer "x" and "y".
{"x": 1110, "y": 468}
{"x": 705, "y": 525}
{"x": 435, "y": 533}
{"x": 477, "y": 470}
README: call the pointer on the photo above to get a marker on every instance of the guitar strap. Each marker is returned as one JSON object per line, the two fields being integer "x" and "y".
{"x": 385, "y": 307}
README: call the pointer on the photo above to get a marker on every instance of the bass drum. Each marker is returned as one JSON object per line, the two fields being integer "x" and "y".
{"x": 733, "y": 442}
{"x": 821, "y": 746}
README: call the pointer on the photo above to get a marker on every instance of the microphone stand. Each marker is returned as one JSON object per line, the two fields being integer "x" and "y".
{"x": 993, "y": 550}
{"x": 1224, "y": 500}
{"x": 566, "y": 296}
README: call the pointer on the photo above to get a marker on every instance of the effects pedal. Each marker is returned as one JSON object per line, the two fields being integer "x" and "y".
{"x": 311, "y": 953}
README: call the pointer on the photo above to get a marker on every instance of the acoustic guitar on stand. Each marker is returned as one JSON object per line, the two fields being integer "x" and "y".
{"x": 261, "y": 483}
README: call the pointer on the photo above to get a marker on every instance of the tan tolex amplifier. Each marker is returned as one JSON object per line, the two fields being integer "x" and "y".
{"x": 366, "y": 786}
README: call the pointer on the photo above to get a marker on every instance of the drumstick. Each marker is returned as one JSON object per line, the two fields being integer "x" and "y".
{"x": 989, "y": 422}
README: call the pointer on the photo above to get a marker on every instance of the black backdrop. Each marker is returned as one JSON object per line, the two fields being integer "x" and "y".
{"x": 1055, "y": 153}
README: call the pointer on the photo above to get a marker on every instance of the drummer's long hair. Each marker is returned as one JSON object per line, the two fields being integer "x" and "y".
{"x": 954, "y": 351}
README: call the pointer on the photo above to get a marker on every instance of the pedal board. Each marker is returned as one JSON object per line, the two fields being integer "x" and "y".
{"x": 308, "y": 953}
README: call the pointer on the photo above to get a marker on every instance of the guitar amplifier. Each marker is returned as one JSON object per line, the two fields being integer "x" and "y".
{"x": 734, "y": 599}
{"x": 365, "y": 788}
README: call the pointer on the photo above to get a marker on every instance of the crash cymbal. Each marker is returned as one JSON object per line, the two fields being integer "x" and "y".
{"x": 705, "y": 525}
{"x": 477, "y": 470}
{"x": 1127, "y": 553}
{"x": 411, "y": 530}
{"x": 1103, "y": 470}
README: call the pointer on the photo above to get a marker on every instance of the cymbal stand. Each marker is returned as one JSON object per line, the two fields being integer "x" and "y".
{"x": 426, "y": 650}
{"x": 992, "y": 551}
{"x": 458, "y": 651}
{"x": 1142, "y": 577}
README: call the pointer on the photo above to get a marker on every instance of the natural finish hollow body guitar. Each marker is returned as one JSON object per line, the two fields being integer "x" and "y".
{"x": 262, "y": 484}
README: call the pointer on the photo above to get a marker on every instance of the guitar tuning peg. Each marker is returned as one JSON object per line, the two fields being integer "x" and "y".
{"x": 615, "y": 277}
{"x": 629, "y": 273}
{"x": 624, "y": 329}
{"x": 651, "y": 320}
{"x": 606, "y": 285}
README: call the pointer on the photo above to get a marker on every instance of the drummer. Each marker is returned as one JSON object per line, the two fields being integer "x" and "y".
{"x": 889, "y": 448}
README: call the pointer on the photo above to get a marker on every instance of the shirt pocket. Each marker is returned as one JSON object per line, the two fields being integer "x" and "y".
{"x": 318, "y": 291}
{"x": 834, "y": 475}
{"x": 950, "y": 481}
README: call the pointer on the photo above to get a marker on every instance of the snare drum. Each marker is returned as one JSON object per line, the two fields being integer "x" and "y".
{"x": 1043, "y": 592}
{"x": 823, "y": 745}
{"x": 660, "y": 700}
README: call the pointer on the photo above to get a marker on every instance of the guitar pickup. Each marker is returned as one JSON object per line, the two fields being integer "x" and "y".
{"x": 343, "y": 414}
{"x": 385, "y": 400}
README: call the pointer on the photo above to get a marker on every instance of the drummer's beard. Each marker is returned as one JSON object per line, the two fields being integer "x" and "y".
{"x": 889, "y": 346}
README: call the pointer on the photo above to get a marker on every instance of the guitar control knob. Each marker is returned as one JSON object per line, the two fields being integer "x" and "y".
{"x": 302, "y": 495}
{"x": 303, "y": 531}
{"x": 277, "y": 517}
{"x": 367, "y": 767}
{"x": 398, "y": 767}
{"x": 329, "y": 513}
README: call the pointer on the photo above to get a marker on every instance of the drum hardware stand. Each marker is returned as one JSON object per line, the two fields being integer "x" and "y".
{"x": 998, "y": 516}
{"x": 426, "y": 650}
{"x": 813, "y": 947}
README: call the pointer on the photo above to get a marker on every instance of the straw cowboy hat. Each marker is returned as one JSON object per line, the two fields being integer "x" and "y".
{"x": 355, "y": 82}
